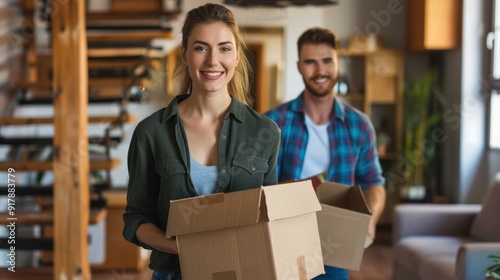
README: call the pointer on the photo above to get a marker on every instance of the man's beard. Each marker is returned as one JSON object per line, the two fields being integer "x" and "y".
{"x": 316, "y": 93}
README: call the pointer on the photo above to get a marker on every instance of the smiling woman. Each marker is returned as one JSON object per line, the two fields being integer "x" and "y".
{"x": 211, "y": 57}
{"x": 238, "y": 86}
{"x": 199, "y": 144}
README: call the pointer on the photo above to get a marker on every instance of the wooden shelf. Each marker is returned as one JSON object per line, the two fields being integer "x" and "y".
{"x": 47, "y": 217}
{"x": 353, "y": 52}
{"x": 352, "y": 96}
{"x": 379, "y": 73}
{"x": 47, "y": 165}
{"x": 49, "y": 140}
{"x": 127, "y": 35}
{"x": 23, "y": 273}
{"x": 91, "y": 16}
{"x": 116, "y": 197}
{"x": 50, "y": 120}
{"x": 118, "y": 52}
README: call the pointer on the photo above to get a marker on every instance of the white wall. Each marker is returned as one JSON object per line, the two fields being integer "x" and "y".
{"x": 472, "y": 132}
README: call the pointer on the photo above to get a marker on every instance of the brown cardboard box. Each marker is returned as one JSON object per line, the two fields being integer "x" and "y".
{"x": 343, "y": 224}
{"x": 266, "y": 233}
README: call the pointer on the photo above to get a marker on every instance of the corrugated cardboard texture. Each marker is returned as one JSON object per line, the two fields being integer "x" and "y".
{"x": 266, "y": 242}
{"x": 298, "y": 200}
{"x": 291, "y": 242}
{"x": 343, "y": 225}
{"x": 225, "y": 275}
{"x": 226, "y": 250}
{"x": 215, "y": 211}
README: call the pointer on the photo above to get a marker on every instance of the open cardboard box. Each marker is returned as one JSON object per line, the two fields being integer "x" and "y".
{"x": 265, "y": 233}
{"x": 343, "y": 224}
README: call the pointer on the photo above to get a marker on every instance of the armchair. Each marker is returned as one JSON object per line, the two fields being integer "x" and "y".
{"x": 446, "y": 241}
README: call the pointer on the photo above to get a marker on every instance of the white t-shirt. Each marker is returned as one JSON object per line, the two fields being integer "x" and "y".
{"x": 317, "y": 157}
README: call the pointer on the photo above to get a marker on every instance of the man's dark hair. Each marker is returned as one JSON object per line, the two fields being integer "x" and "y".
{"x": 317, "y": 35}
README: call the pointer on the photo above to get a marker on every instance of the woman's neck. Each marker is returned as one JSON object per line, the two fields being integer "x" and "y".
{"x": 206, "y": 106}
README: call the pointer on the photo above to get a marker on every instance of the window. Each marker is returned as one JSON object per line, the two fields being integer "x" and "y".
{"x": 495, "y": 96}
{"x": 495, "y": 121}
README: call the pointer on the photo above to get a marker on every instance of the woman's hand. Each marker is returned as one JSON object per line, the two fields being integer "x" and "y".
{"x": 151, "y": 235}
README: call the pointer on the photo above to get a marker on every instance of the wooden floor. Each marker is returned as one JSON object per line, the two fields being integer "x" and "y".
{"x": 376, "y": 265}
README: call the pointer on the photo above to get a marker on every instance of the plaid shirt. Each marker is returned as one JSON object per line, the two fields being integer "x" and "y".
{"x": 353, "y": 154}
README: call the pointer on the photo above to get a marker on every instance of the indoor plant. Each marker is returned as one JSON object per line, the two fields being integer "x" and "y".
{"x": 423, "y": 104}
{"x": 493, "y": 271}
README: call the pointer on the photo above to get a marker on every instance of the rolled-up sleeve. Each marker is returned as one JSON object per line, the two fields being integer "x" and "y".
{"x": 143, "y": 188}
{"x": 368, "y": 169}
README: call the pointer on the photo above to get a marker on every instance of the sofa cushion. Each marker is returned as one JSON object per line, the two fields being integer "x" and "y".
{"x": 486, "y": 226}
{"x": 413, "y": 250}
{"x": 438, "y": 268}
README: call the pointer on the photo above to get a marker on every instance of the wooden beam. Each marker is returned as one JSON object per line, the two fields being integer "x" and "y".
{"x": 71, "y": 155}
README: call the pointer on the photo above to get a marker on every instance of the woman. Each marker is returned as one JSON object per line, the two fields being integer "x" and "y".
{"x": 203, "y": 142}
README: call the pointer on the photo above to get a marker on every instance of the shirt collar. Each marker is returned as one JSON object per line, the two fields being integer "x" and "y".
{"x": 297, "y": 106}
{"x": 237, "y": 108}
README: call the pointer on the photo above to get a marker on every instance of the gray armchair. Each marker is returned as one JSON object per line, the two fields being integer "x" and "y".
{"x": 436, "y": 241}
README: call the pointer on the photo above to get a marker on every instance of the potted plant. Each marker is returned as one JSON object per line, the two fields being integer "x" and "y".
{"x": 493, "y": 271}
{"x": 423, "y": 104}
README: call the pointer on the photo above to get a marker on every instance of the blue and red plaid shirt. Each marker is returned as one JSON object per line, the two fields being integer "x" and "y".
{"x": 353, "y": 153}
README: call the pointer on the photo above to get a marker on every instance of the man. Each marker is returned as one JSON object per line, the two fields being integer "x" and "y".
{"x": 321, "y": 134}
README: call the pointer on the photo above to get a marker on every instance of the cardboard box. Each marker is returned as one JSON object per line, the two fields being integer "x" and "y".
{"x": 343, "y": 225}
{"x": 265, "y": 233}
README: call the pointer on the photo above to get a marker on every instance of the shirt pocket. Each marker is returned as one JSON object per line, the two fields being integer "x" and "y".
{"x": 248, "y": 172}
{"x": 173, "y": 178}
{"x": 168, "y": 167}
{"x": 251, "y": 164}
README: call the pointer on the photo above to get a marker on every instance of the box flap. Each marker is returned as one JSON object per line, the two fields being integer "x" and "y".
{"x": 343, "y": 196}
{"x": 357, "y": 201}
{"x": 290, "y": 199}
{"x": 216, "y": 211}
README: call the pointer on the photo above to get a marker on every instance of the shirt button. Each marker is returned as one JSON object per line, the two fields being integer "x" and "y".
{"x": 223, "y": 136}
{"x": 223, "y": 170}
{"x": 253, "y": 167}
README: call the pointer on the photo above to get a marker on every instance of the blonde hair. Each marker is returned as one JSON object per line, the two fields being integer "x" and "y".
{"x": 239, "y": 86}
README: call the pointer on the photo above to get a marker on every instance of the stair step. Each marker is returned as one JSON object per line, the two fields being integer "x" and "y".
{"x": 105, "y": 164}
{"x": 46, "y": 244}
{"x": 46, "y": 217}
{"x": 100, "y": 18}
{"x": 50, "y": 120}
{"x": 128, "y": 35}
{"x": 49, "y": 140}
{"x": 47, "y": 190}
{"x": 23, "y": 273}
{"x": 121, "y": 52}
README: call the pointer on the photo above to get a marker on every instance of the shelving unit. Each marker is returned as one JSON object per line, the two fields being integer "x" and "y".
{"x": 433, "y": 25}
{"x": 104, "y": 57}
{"x": 375, "y": 82}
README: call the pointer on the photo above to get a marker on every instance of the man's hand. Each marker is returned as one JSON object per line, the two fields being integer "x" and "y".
{"x": 375, "y": 198}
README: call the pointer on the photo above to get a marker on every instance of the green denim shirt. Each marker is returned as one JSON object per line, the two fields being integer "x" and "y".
{"x": 158, "y": 166}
